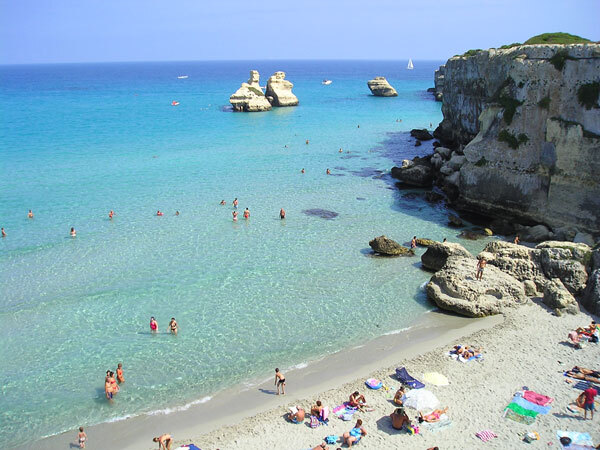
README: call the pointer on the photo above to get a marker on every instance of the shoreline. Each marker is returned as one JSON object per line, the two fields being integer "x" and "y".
{"x": 233, "y": 405}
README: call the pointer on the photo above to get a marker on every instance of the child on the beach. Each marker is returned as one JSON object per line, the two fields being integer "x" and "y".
{"x": 82, "y": 437}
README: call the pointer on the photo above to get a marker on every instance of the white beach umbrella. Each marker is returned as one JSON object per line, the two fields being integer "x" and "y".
{"x": 435, "y": 378}
{"x": 420, "y": 399}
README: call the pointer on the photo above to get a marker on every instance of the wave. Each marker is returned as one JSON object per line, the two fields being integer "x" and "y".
{"x": 401, "y": 330}
{"x": 179, "y": 408}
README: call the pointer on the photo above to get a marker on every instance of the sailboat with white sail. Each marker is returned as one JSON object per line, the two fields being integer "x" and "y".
{"x": 410, "y": 64}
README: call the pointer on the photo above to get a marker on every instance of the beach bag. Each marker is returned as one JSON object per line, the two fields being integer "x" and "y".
{"x": 314, "y": 422}
{"x": 531, "y": 436}
{"x": 347, "y": 416}
{"x": 331, "y": 439}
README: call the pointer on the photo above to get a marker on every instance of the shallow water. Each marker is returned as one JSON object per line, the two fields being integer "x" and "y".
{"x": 80, "y": 140}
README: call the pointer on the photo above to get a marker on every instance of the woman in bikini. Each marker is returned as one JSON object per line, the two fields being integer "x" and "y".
{"x": 173, "y": 326}
{"x": 433, "y": 416}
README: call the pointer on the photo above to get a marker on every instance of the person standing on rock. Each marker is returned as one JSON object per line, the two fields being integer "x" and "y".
{"x": 516, "y": 239}
{"x": 480, "y": 266}
{"x": 413, "y": 243}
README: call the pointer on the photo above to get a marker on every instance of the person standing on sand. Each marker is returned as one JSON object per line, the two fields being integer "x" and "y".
{"x": 413, "y": 243}
{"x": 282, "y": 213}
{"x": 81, "y": 437}
{"x": 30, "y": 215}
{"x": 164, "y": 441}
{"x": 246, "y": 213}
{"x": 279, "y": 381}
{"x": 588, "y": 405}
{"x": 480, "y": 266}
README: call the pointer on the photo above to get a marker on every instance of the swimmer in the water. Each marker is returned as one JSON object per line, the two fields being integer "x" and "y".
{"x": 328, "y": 172}
{"x": 307, "y": 142}
{"x": 111, "y": 214}
{"x": 358, "y": 126}
{"x": 173, "y": 326}
{"x": 30, "y": 215}
{"x": 223, "y": 202}
{"x": 234, "y": 216}
{"x": 235, "y": 202}
{"x": 120, "y": 377}
{"x": 282, "y": 213}
{"x": 158, "y": 213}
{"x": 73, "y": 232}
{"x": 246, "y": 213}
{"x": 153, "y": 325}
{"x": 3, "y": 233}
{"x": 176, "y": 213}
{"x": 302, "y": 171}
{"x": 340, "y": 151}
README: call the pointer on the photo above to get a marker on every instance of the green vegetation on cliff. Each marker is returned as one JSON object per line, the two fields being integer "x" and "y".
{"x": 512, "y": 140}
{"x": 556, "y": 38}
{"x": 587, "y": 94}
{"x": 544, "y": 103}
{"x": 559, "y": 59}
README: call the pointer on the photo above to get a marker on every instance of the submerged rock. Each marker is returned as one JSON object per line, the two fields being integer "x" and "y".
{"x": 381, "y": 88}
{"x": 322, "y": 213}
{"x": 279, "y": 91}
{"x": 250, "y": 97}
{"x": 455, "y": 221}
{"x": 386, "y": 246}
{"x": 437, "y": 254}
{"x": 454, "y": 288}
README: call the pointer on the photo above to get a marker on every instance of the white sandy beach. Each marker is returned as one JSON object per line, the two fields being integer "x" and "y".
{"x": 525, "y": 349}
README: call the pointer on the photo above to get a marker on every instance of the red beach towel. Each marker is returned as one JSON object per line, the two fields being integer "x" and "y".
{"x": 486, "y": 435}
{"x": 536, "y": 398}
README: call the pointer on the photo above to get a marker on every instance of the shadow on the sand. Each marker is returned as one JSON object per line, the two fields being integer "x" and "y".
{"x": 385, "y": 424}
{"x": 268, "y": 391}
{"x": 568, "y": 416}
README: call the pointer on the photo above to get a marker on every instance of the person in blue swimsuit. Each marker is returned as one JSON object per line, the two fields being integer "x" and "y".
{"x": 355, "y": 434}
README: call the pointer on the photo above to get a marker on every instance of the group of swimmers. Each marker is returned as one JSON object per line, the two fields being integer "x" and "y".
{"x": 111, "y": 385}
{"x": 172, "y": 327}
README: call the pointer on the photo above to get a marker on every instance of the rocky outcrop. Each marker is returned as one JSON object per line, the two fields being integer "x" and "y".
{"x": 388, "y": 247}
{"x": 421, "y": 134}
{"x": 250, "y": 97}
{"x": 416, "y": 173}
{"x": 591, "y": 296}
{"x": 454, "y": 288}
{"x": 279, "y": 91}
{"x": 381, "y": 88}
{"x": 424, "y": 242}
{"x": 527, "y": 120}
{"x": 556, "y": 296}
{"x": 438, "y": 83}
{"x": 437, "y": 254}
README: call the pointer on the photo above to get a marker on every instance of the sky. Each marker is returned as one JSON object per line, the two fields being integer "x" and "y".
{"x": 54, "y": 31}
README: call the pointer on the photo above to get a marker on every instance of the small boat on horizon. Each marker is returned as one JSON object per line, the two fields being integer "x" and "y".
{"x": 410, "y": 64}
{"x": 326, "y": 82}
{"x": 174, "y": 103}
{"x": 182, "y": 77}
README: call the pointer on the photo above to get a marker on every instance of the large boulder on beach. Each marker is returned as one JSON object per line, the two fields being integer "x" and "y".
{"x": 381, "y": 88}
{"x": 416, "y": 173}
{"x": 279, "y": 91}
{"x": 438, "y": 253}
{"x": 250, "y": 97}
{"x": 566, "y": 261}
{"x": 556, "y": 296}
{"x": 454, "y": 288}
{"x": 517, "y": 260}
{"x": 591, "y": 296}
{"x": 388, "y": 247}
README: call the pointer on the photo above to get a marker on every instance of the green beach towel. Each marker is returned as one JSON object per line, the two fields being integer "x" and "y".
{"x": 510, "y": 414}
{"x": 522, "y": 411}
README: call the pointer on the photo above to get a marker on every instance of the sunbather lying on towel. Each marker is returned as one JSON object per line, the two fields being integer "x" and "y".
{"x": 433, "y": 416}
{"x": 470, "y": 352}
{"x": 357, "y": 400}
{"x": 398, "y": 397}
{"x": 575, "y": 338}
{"x": 584, "y": 374}
{"x": 296, "y": 414}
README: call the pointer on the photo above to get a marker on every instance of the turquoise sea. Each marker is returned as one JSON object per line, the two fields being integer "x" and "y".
{"x": 79, "y": 140}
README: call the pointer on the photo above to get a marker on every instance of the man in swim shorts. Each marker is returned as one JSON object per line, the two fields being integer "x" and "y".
{"x": 588, "y": 405}
{"x": 280, "y": 381}
{"x": 480, "y": 266}
{"x": 399, "y": 418}
{"x": 282, "y": 213}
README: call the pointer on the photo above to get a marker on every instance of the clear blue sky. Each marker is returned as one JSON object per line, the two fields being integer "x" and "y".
{"x": 41, "y": 31}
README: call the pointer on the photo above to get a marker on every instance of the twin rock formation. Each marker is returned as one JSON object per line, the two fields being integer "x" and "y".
{"x": 250, "y": 96}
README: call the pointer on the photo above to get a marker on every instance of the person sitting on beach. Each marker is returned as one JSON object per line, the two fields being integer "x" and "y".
{"x": 398, "y": 397}
{"x": 279, "y": 381}
{"x": 223, "y": 202}
{"x": 120, "y": 377}
{"x": 355, "y": 434}
{"x": 30, "y": 215}
{"x": 296, "y": 414}
{"x": 153, "y": 325}
{"x": 316, "y": 409}
{"x": 164, "y": 441}
{"x": 73, "y": 232}
{"x": 322, "y": 446}
{"x": 399, "y": 418}
{"x": 173, "y": 326}
{"x": 357, "y": 400}
{"x": 433, "y": 416}
{"x": 413, "y": 243}
{"x": 575, "y": 339}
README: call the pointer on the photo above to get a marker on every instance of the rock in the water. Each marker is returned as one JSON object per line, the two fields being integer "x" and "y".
{"x": 424, "y": 242}
{"x": 381, "y": 88}
{"x": 437, "y": 254}
{"x": 470, "y": 235}
{"x": 280, "y": 90}
{"x": 556, "y": 296}
{"x": 322, "y": 213}
{"x": 417, "y": 174}
{"x": 421, "y": 135}
{"x": 433, "y": 197}
{"x": 386, "y": 246}
{"x": 417, "y": 143}
{"x": 584, "y": 238}
{"x": 454, "y": 288}
{"x": 591, "y": 296}
{"x": 250, "y": 97}
{"x": 488, "y": 232}
{"x": 455, "y": 221}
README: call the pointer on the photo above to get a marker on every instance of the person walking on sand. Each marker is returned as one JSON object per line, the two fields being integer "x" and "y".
{"x": 480, "y": 266}
{"x": 164, "y": 441}
{"x": 153, "y": 325}
{"x": 30, "y": 215}
{"x": 73, "y": 232}
{"x": 282, "y": 213}
{"x": 280, "y": 381}
{"x": 173, "y": 326}
{"x": 235, "y": 203}
{"x": 120, "y": 377}
{"x": 246, "y": 213}
{"x": 81, "y": 437}
{"x": 235, "y": 214}
{"x": 413, "y": 243}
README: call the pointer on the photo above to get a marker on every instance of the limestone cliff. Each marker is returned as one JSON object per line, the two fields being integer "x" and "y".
{"x": 250, "y": 97}
{"x": 527, "y": 120}
{"x": 380, "y": 87}
{"x": 279, "y": 91}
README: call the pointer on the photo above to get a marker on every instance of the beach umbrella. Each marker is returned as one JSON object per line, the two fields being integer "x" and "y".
{"x": 420, "y": 399}
{"x": 435, "y": 378}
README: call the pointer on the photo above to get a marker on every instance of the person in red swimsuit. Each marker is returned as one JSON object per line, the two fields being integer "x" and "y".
{"x": 153, "y": 325}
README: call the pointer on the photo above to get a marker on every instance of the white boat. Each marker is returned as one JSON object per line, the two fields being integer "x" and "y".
{"x": 410, "y": 64}
{"x": 326, "y": 82}
{"x": 182, "y": 77}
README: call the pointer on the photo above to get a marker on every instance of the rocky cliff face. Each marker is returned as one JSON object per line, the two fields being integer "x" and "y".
{"x": 527, "y": 120}
{"x": 250, "y": 97}
{"x": 279, "y": 91}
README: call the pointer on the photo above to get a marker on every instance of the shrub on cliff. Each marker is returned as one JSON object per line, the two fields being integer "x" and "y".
{"x": 587, "y": 94}
{"x": 556, "y": 38}
{"x": 512, "y": 140}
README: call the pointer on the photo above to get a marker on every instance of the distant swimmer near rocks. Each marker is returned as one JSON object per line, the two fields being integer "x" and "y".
{"x": 381, "y": 88}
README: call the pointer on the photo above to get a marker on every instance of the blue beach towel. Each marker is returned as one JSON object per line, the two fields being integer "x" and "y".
{"x": 583, "y": 385}
{"x": 576, "y": 438}
{"x": 406, "y": 379}
{"x": 529, "y": 405}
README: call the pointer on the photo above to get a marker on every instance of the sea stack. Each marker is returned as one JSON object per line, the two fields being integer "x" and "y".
{"x": 381, "y": 88}
{"x": 250, "y": 97}
{"x": 279, "y": 91}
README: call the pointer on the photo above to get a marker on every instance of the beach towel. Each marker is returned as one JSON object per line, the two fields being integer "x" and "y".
{"x": 486, "y": 435}
{"x": 530, "y": 406}
{"x": 510, "y": 414}
{"x": 331, "y": 439}
{"x": 324, "y": 415}
{"x": 314, "y": 422}
{"x": 536, "y": 398}
{"x": 583, "y": 385}
{"x": 456, "y": 357}
{"x": 576, "y": 438}
{"x": 187, "y": 447}
{"x": 434, "y": 427}
{"x": 406, "y": 379}
{"x": 344, "y": 411}
{"x": 522, "y": 411}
